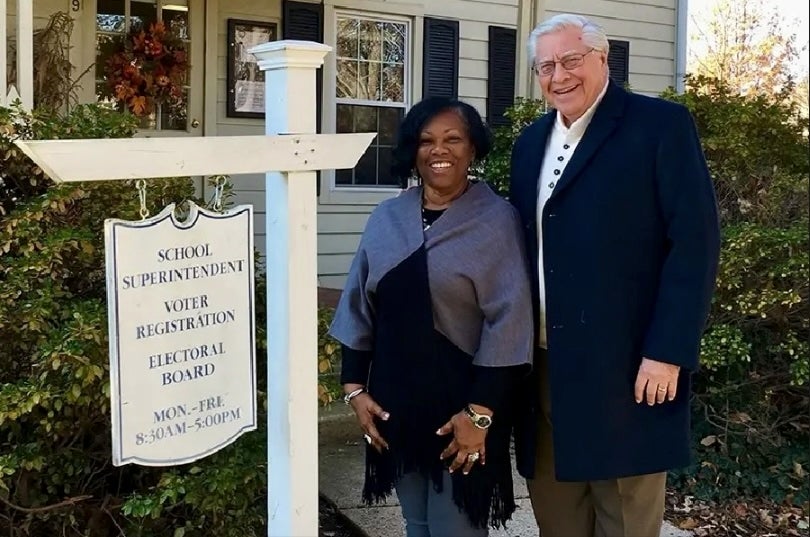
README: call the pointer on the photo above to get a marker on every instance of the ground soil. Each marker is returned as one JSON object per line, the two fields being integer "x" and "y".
{"x": 743, "y": 518}
{"x": 332, "y": 524}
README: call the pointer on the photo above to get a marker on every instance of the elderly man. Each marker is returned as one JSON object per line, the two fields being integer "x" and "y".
{"x": 620, "y": 219}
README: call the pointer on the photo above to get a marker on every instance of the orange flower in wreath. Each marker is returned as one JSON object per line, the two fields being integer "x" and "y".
{"x": 147, "y": 68}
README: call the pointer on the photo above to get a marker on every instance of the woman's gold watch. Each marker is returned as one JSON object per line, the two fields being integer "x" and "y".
{"x": 482, "y": 421}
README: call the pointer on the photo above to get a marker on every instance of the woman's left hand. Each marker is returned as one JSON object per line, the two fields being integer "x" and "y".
{"x": 468, "y": 440}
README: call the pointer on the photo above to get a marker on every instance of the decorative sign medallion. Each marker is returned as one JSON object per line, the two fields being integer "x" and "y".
{"x": 182, "y": 337}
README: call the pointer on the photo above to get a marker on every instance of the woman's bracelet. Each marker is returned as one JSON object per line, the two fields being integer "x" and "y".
{"x": 351, "y": 395}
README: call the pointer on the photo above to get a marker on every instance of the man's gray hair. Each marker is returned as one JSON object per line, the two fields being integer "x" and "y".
{"x": 592, "y": 34}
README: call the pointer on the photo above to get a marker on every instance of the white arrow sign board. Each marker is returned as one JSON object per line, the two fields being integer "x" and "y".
{"x": 182, "y": 336}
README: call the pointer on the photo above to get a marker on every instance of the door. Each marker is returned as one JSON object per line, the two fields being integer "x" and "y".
{"x": 184, "y": 20}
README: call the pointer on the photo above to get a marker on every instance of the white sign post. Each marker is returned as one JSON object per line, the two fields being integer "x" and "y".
{"x": 291, "y": 247}
{"x": 292, "y": 322}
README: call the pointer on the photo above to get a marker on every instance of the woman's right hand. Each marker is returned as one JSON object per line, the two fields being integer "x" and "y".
{"x": 366, "y": 409}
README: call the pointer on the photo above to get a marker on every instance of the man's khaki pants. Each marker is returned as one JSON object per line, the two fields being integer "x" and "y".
{"x": 626, "y": 507}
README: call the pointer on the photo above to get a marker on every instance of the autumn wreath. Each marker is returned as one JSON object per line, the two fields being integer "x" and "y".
{"x": 147, "y": 68}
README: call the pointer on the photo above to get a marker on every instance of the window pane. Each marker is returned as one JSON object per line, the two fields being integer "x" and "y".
{"x": 143, "y": 12}
{"x": 347, "y": 78}
{"x": 390, "y": 119}
{"x": 148, "y": 122}
{"x": 104, "y": 95}
{"x": 365, "y": 173}
{"x": 393, "y": 42}
{"x": 343, "y": 177}
{"x": 393, "y": 83}
{"x": 174, "y": 116}
{"x": 385, "y": 156}
{"x": 347, "y": 38}
{"x": 105, "y": 46}
{"x": 345, "y": 120}
{"x": 365, "y": 119}
{"x": 175, "y": 16}
{"x": 368, "y": 85}
{"x": 370, "y": 33}
{"x": 110, "y": 16}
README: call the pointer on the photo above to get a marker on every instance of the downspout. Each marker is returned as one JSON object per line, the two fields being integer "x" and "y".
{"x": 681, "y": 43}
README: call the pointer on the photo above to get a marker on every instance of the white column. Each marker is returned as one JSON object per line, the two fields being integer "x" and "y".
{"x": 3, "y": 52}
{"x": 25, "y": 52}
{"x": 292, "y": 398}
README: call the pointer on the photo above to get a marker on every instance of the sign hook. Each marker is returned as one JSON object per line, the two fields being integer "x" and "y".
{"x": 140, "y": 186}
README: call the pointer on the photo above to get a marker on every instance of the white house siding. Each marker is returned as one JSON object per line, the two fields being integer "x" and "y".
{"x": 649, "y": 25}
{"x": 249, "y": 189}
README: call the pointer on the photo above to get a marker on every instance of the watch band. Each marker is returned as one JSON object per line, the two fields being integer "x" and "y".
{"x": 482, "y": 421}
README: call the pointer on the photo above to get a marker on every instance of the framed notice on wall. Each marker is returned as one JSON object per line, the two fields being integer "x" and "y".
{"x": 245, "y": 79}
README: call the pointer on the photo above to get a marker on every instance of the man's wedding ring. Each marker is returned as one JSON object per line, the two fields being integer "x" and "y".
{"x": 472, "y": 457}
{"x": 367, "y": 438}
{"x": 662, "y": 388}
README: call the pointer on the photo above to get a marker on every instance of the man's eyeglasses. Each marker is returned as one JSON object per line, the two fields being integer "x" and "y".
{"x": 569, "y": 63}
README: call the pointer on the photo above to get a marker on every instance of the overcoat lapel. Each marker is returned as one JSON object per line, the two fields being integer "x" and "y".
{"x": 604, "y": 122}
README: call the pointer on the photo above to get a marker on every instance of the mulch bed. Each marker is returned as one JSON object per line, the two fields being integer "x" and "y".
{"x": 737, "y": 519}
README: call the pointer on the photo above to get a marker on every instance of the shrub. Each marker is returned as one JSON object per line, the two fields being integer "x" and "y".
{"x": 329, "y": 388}
{"x": 55, "y": 472}
{"x": 495, "y": 169}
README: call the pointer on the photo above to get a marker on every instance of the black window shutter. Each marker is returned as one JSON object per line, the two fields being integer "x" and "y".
{"x": 304, "y": 22}
{"x": 619, "y": 61}
{"x": 501, "y": 74}
{"x": 440, "y": 65}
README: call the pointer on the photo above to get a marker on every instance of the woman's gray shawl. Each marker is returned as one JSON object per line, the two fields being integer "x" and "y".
{"x": 477, "y": 269}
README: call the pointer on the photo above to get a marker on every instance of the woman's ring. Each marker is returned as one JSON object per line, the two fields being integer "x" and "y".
{"x": 472, "y": 457}
{"x": 367, "y": 438}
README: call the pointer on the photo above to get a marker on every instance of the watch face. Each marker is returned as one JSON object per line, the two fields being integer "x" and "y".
{"x": 484, "y": 421}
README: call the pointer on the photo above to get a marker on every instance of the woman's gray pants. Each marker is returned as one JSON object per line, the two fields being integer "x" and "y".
{"x": 431, "y": 514}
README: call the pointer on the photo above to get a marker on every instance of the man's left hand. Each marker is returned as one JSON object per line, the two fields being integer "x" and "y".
{"x": 656, "y": 381}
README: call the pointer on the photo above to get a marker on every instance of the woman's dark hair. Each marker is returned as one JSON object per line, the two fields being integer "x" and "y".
{"x": 410, "y": 129}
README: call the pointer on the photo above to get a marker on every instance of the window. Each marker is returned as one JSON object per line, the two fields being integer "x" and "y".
{"x": 114, "y": 19}
{"x": 372, "y": 92}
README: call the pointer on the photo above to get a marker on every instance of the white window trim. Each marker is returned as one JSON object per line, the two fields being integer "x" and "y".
{"x": 357, "y": 195}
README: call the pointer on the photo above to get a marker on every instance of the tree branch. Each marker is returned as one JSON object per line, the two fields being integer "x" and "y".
{"x": 45, "y": 508}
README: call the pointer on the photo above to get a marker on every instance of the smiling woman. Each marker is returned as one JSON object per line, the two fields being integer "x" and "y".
{"x": 442, "y": 310}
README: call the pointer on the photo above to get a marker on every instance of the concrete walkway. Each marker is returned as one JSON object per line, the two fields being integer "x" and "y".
{"x": 341, "y": 466}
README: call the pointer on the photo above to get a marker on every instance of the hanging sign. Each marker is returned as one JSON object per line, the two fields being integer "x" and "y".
{"x": 182, "y": 337}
